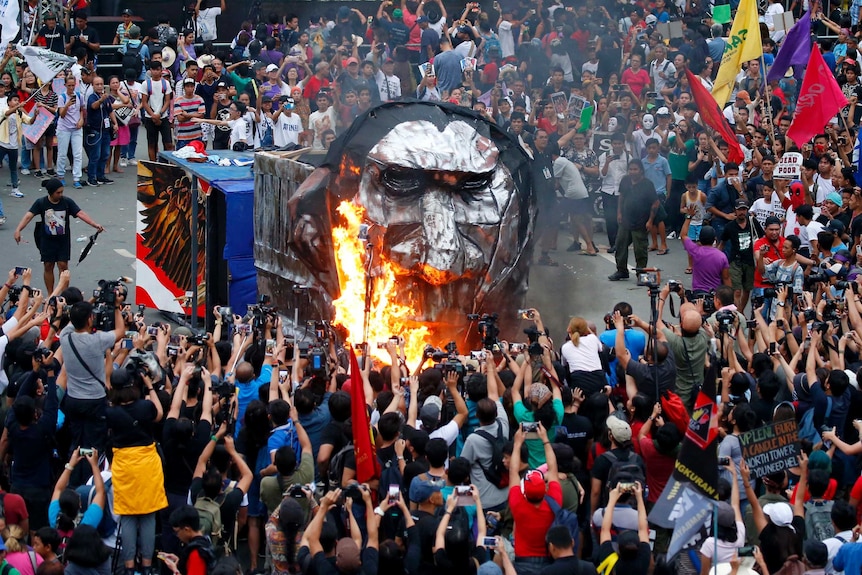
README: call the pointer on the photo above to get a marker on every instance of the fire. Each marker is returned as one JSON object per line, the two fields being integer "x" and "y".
{"x": 387, "y": 316}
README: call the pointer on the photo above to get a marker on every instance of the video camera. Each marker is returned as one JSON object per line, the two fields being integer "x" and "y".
{"x": 488, "y": 329}
{"x": 725, "y": 319}
{"x": 223, "y": 392}
{"x": 448, "y": 361}
{"x": 106, "y": 302}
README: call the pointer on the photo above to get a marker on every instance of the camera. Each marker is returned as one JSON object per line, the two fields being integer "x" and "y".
{"x": 724, "y": 319}
{"x": 489, "y": 542}
{"x": 723, "y": 461}
{"x": 487, "y": 328}
{"x": 650, "y": 279}
{"x": 525, "y": 313}
{"x": 820, "y": 326}
{"x": 478, "y": 355}
{"x": 106, "y": 303}
{"x": 517, "y": 347}
{"x": 353, "y": 490}
{"x": 198, "y": 339}
{"x": 674, "y": 286}
{"x": 40, "y": 353}
{"x": 295, "y": 491}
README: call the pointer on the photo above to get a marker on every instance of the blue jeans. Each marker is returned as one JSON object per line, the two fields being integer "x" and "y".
{"x": 128, "y": 151}
{"x": 98, "y": 145}
{"x": 25, "y": 158}
{"x": 13, "y": 163}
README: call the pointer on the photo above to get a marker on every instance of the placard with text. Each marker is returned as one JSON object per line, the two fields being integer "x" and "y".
{"x": 771, "y": 448}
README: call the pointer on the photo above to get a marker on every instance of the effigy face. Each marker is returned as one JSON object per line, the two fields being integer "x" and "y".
{"x": 433, "y": 204}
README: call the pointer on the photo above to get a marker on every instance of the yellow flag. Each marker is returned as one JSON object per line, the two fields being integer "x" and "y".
{"x": 742, "y": 46}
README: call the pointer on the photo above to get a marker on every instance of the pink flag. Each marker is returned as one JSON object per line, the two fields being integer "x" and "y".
{"x": 819, "y": 100}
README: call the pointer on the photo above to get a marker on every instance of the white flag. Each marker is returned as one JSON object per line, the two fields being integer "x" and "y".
{"x": 43, "y": 62}
{"x": 9, "y": 12}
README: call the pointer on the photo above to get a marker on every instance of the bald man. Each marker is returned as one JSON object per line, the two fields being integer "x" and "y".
{"x": 689, "y": 346}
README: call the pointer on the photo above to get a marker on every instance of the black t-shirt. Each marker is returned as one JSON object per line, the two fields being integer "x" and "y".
{"x": 576, "y": 432}
{"x": 229, "y": 503}
{"x": 55, "y": 218}
{"x": 637, "y": 201}
{"x": 639, "y": 565}
{"x": 602, "y": 465}
{"x": 701, "y": 168}
{"x": 132, "y": 425}
{"x": 92, "y": 38}
{"x": 444, "y": 565}
{"x": 55, "y": 38}
{"x": 569, "y": 566}
{"x": 741, "y": 240}
{"x": 426, "y": 534}
{"x": 180, "y": 462}
{"x": 754, "y": 188}
{"x": 221, "y": 134}
{"x": 856, "y": 227}
{"x": 770, "y": 543}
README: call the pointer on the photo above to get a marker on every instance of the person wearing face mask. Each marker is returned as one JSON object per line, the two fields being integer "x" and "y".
{"x": 640, "y": 137}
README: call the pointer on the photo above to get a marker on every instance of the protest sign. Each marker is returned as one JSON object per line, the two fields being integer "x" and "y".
{"x": 35, "y": 130}
{"x": 789, "y": 166}
{"x": 770, "y": 448}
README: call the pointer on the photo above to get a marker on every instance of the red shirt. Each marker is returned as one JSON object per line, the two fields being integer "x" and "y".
{"x": 637, "y": 81}
{"x": 773, "y": 254}
{"x": 636, "y": 430}
{"x": 531, "y": 522}
{"x": 659, "y": 468}
{"x": 312, "y": 87}
{"x": 195, "y": 565}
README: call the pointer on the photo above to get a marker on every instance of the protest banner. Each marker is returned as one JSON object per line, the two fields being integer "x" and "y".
{"x": 770, "y": 448}
{"x": 40, "y": 123}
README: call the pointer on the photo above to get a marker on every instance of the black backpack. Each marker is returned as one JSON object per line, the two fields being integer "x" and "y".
{"x": 628, "y": 469}
{"x": 132, "y": 60}
{"x": 390, "y": 474}
{"x": 336, "y": 466}
{"x": 495, "y": 472}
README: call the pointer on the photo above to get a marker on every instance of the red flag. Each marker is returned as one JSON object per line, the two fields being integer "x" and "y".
{"x": 712, "y": 116}
{"x": 367, "y": 465}
{"x": 819, "y": 100}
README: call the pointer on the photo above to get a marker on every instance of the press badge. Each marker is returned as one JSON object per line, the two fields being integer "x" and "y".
{"x": 107, "y": 122}
{"x": 547, "y": 173}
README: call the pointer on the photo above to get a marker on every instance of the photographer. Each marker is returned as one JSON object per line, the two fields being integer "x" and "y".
{"x": 85, "y": 365}
{"x": 644, "y": 374}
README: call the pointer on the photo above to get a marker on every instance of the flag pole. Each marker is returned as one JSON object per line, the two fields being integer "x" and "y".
{"x": 33, "y": 95}
{"x": 768, "y": 108}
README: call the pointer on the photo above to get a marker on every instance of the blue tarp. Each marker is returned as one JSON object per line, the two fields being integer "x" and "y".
{"x": 222, "y": 177}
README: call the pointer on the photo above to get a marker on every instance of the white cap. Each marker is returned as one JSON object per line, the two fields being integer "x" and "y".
{"x": 271, "y": 68}
{"x": 663, "y": 111}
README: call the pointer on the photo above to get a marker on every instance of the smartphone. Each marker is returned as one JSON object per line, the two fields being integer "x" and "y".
{"x": 751, "y": 324}
{"x": 490, "y": 542}
{"x": 722, "y": 461}
{"x": 478, "y": 355}
{"x": 153, "y": 330}
{"x": 530, "y": 429}
{"x": 85, "y": 451}
{"x": 243, "y": 328}
{"x": 392, "y": 495}
{"x": 282, "y": 375}
{"x": 773, "y": 348}
{"x": 270, "y": 347}
{"x": 465, "y": 495}
{"x": 173, "y": 351}
{"x": 19, "y": 270}
{"x": 175, "y": 340}
{"x": 128, "y": 343}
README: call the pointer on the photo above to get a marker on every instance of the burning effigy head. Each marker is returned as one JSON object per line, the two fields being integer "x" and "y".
{"x": 421, "y": 214}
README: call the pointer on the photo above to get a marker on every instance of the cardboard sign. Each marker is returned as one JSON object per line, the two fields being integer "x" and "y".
{"x": 789, "y": 167}
{"x": 560, "y": 102}
{"x": 783, "y": 21}
{"x": 58, "y": 85}
{"x": 426, "y": 69}
{"x": 601, "y": 142}
{"x": 576, "y": 106}
{"x": 35, "y": 130}
{"x": 770, "y": 448}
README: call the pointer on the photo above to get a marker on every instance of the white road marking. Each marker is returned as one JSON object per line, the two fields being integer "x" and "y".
{"x": 125, "y": 253}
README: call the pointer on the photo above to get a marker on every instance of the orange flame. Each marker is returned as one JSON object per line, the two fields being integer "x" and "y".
{"x": 387, "y": 316}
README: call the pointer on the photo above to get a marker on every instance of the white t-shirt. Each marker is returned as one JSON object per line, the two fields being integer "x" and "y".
{"x": 821, "y": 187}
{"x": 763, "y": 209}
{"x": 389, "y": 87}
{"x": 207, "y": 23}
{"x": 238, "y": 132}
{"x": 157, "y": 91}
{"x": 287, "y": 130}
{"x": 584, "y": 356}
{"x": 726, "y": 551}
{"x": 571, "y": 182}
{"x": 319, "y": 122}
{"x": 616, "y": 170}
{"x": 507, "y": 39}
{"x": 811, "y": 230}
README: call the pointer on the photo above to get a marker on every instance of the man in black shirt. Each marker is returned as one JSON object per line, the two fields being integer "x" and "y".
{"x": 52, "y": 34}
{"x": 84, "y": 36}
{"x": 561, "y": 548}
{"x": 635, "y": 212}
{"x": 741, "y": 234}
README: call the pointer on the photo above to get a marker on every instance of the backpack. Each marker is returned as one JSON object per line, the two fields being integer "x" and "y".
{"x": 565, "y": 518}
{"x": 390, "y": 474}
{"x": 336, "y": 466}
{"x": 630, "y": 468}
{"x": 818, "y": 520}
{"x": 491, "y": 41}
{"x": 209, "y": 512}
{"x": 132, "y": 60}
{"x": 495, "y": 473}
{"x": 806, "y": 424}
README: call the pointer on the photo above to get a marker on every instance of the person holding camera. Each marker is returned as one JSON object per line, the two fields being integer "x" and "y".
{"x": 739, "y": 236}
{"x": 721, "y": 200}
{"x": 101, "y": 123}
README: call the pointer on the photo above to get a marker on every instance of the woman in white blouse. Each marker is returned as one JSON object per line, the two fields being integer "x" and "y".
{"x": 581, "y": 357}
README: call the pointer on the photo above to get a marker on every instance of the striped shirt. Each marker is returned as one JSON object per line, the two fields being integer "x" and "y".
{"x": 188, "y": 130}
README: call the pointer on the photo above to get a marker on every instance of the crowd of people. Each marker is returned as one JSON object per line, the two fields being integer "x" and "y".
{"x": 133, "y": 447}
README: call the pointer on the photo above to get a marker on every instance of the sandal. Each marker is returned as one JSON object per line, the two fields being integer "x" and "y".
{"x": 688, "y": 271}
{"x": 663, "y": 252}
{"x": 586, "y": 253}
{"x": 653, "y": 248}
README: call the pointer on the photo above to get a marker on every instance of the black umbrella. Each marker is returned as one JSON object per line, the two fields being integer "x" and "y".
{"x": 88, "y": 247}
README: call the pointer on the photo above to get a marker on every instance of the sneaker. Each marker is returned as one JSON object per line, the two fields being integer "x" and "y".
{"x": 94, "y": 183}
{"x": 671, "y": 236}
{"x": 2, "y": 220}
{"x": 123, "y": 162}
{"x": 611, "y": 250}
{"x": 52, "y": 172}
{"x": 575, "y": 247}
{"x": 133, "y": 162}
{"x": 25, "y": 171}
{"x": 617, "y": 276}
{"x": 105, "y": 181}
{"x": 38, "y": 174}
{"x": 78, "y": 185}
{"x": 16, "y": 193}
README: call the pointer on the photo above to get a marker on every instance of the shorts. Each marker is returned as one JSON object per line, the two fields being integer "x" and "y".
{"x": 55, "y": 251}
{"x": 694, "y": 232}
{"x": 742, "y": 276}
{"x": 578, "y": 207}
{"x": 164, "y": 129}
{"x": 123, "y": 136}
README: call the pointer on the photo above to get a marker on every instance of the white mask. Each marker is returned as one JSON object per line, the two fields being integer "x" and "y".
{"x": 648, "y": 122}
{"x": 612, "y": 125}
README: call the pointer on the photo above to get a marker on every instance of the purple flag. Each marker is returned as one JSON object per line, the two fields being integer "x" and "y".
{"x": 795, "y": 49}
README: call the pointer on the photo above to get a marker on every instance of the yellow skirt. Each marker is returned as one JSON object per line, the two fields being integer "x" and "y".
{"x": 138, "y": 481}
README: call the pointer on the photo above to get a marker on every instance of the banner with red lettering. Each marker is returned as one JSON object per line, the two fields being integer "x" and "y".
{"x": 712, "y": 116}
{"x": 367, "y": 464}
{"x": 819, "y": 100}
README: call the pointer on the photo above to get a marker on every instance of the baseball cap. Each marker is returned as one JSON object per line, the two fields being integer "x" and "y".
{"x": 744, "y": 96}
{"x": 781, "y": 514}
{"x": 271, "y": 68}
{"x": 264, "y": 99}
{"x": 422, "y": 489}
{"x": 397, "y": 13}
{"x": 835, "y": 198}
{"x": 726, "y": 516}
{"x": 422, "y": 19}
{"x": 835, "y": 226}
{"x": 182, "y": 330}
{"x": 834, "y": 269}
{"x": 352, "y": 60}
{"x": 663, "y": 111}
{"x": 533, "y": 485}
{"x": 389, "y": 61}
{"x": 429, "y": 415}
{"x": 127, "y": 12}
{"x": 50, "y": 16}
{"x": 620, "y": 430}
{"x": 221, "y": 85}
{"x": 849, "y": 62}
{"x": 188, "y": 81}
{"x": 650, "y": 19}
{"x": 740, "y": 204}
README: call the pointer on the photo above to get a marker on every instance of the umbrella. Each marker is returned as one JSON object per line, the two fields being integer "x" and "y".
{"x": 88, "y": 247}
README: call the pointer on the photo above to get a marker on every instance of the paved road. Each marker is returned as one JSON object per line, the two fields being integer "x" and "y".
{"x": 577, "y": 287}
